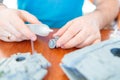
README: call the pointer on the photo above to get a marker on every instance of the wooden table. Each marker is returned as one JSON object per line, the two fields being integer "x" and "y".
{"x": 54, "y": 56}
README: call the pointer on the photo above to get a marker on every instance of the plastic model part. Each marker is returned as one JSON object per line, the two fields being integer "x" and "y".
{"x": 52, "y": 42}
{"x": 96, "y": 62}
{"x": 24, "y": 67}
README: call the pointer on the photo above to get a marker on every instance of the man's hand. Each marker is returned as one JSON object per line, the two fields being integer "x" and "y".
{"x": 85, "y": 30}
{"x": 12, "y": 27}
{"x": 79, "y": 33}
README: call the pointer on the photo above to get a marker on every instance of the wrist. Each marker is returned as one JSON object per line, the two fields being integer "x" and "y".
{"x": 98, "y": 18}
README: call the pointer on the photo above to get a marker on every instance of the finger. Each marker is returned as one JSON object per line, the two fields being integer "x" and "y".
{"x": 78, "y": 39}
{"x": 7, "y": 26}
{"x": 23, "y": 29}
{"x": 5, "y": 39}
{"x": 17, "y": 33}
{"x": 68, "y": 35}
{"x": 96, "y": 41}
{"x": 29, "y": 17}
{"x": 11, "y": 39}
{"x": 63, "y": 29}
{"x": 5, "y": 33}
{"x": 88, "y": 42}
{"x": 2, "y": 31}
{"x": 8, "y": 37}
{"x": 10, "y": 28}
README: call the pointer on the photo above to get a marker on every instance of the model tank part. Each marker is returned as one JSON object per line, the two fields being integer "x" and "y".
{"x": 52, "y": 42}
{"x": 115, "y": 35}
{"x": 40, "y": 29}
{"x": 100, "y": 61}
{"x": 24, "y": 67}
{"x": 116, "y": 32}
{"x": 2, "y": 61}
{"x": 70, "y": 73}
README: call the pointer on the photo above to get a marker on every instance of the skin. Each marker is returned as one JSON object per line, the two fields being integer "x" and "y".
{"x": 118, "y": 20}
{"x": 12, "y": 27}
{"x": 79, "y": 32}
{"x": 85, "y": 30}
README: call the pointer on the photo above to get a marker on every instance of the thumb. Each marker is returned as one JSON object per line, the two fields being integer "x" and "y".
{"x": 61, "y": 31}
{"x": 27, "y": 17}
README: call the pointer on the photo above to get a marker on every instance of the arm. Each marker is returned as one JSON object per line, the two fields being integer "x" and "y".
{"x": 106, "y": 11}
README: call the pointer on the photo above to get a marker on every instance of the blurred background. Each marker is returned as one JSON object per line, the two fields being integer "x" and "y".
{"x": 10, "y": 3}
{"x": 87, "y": 7}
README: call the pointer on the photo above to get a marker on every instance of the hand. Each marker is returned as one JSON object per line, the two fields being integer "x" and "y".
{"x": 79, "y": 32}
{"x": 12, "y": 27}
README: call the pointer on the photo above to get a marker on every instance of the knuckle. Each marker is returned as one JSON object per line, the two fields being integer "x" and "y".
{"x": 19, "y": 36}
{"x": 70, "y": 32}
{"x": 78, "y": 40}
{"x": 20, "y": 12}
{"x": 13, "y": 38}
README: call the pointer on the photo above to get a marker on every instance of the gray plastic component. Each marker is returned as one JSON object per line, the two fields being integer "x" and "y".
{"x": 52, "y": 42}
{"x": 95, "y": 62}
{"x": 24, "y": 67}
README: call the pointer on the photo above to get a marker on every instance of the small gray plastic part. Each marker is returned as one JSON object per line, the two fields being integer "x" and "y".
{"x": 52, "y": 42}
{"x": 24, "y": 67}
{"x": 95, "y": 62}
